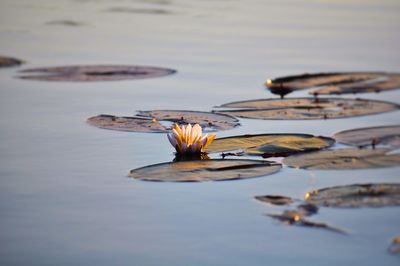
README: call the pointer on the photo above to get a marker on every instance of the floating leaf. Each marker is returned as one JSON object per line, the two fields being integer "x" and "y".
{"x": 95, "y": 73}
{"x": 9, "y": 61}
{"x": 153, "y": 11}
{"x": 205, "y": 170}
{"x": 69, "y": 23}
{"x": 361, "y": 137}
{"x": 336, "y": 83}
{"x": 293, "y": 217}
{"x": 344, "y": 159}
{"x": 307, "y": 108}
{"x": 394, "y": 247}
{"x": 132, "y": 124}
{"x": 205, "y": 119}
{"x": 268, "y": 145}
{"x": 148, "y": 121}
{"x": 356, "y": 196}
{"x": 275, "y": 200}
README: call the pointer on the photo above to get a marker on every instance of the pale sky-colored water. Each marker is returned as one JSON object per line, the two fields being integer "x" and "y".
{"x": 64, "y": 195}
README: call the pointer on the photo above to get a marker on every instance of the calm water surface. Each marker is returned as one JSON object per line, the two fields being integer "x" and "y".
{"x": 64, "y": 195}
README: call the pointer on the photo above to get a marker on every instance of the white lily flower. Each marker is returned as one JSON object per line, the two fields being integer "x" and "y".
{"x": 189, "y": 140}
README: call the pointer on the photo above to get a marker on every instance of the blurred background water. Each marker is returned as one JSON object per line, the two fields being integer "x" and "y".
{"x": 65, "y": 198}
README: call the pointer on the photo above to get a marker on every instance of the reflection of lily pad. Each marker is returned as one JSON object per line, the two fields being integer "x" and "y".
{"x": 361, "y": 137}
{"x": 268, "y": 145}
{"x": 9, "y": 61}
{"x": 355, "y": 196}
{"x": 394, "y": 247}
{"x": 132, "y": 124}
{"x": 293, "y": 217}
{"x": 336, "y": 83}
{"x": 344, "y": 159}
{"x": 274, "y": 199}
{"x": 205, "y": 119}
{"x": 307, "y": 108}
{"x": 205, "y": 170}
{"x": 95, "y": 73}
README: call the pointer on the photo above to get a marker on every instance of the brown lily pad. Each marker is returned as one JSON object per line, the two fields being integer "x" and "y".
{"x": 275, "y": 199}
{"x": 296, "y": 218}
{"x": 356, "y": 196}
{"x": 362, "y": 137}
{"x": 336, "y": 83}
{"x": 269, "y": 145}
{"x": 307, "y": 108}
{"x": 94, "y": 73}
{"x": 205, "y": 170}
{"x": 394, "y": 247}
{"x": 131, "y": 124}
{"x": 149, "y": 121}
{"x": 206, "y": 120}
{"x": 344, "y": 159}
{"x": 9, "y": 61}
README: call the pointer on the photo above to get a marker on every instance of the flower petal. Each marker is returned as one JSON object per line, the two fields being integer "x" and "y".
{"x": 188, "y": 134}
{"x": 196, "y": 132}
{"x": 209, "y": 140}
{"x": 172, "y": 140}
{"x": 184, "y": 148}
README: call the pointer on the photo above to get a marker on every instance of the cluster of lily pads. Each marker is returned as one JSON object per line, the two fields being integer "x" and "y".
{"x": 369, "y": 147}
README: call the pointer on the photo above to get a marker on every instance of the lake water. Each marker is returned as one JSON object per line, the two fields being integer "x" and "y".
{"x": 65, "y": 198}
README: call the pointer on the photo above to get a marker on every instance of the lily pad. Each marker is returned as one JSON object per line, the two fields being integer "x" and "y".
{"x": 131, "y": 124}
{"x": 362, "y": 137}
{"x": 206, "y": 120}
{"x": 356, "y": 196}
{"x": 269, "y": 145}
{"x": 307, "y": 108}
{"x": 205, "y": 170}
{"x": 394, "y": 247}
{"x": 153, "y": 11}
{"x": 296, "y": 218}
{"x": 344, "y": 159}
{"x": 68, "y": 23}
{"x": 9, "y": 61}
{"x": 275, "y": 199}
{"x": 94, "y": 73}
{"x": 149, "y": 121}
{"x": 336, "y": 83}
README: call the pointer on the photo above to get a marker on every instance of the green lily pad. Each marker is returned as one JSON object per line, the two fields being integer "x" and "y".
{"x": 336, "y": 83}
{"x": 207, "y": 120}
{"x": 9, "y": 61}
{"x": 94, "y": 73}
{"x": 205, "y": 170}
{"x": 344, "y": 159}
{"x": 269, "y": 145}
{"x": 131, "y": 124}
{"x": 356, "y": 196}
{"x": 362, "y": 137}
{"x": 307, "y": 108}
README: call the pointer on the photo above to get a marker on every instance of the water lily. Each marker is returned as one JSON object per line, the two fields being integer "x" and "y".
{"x": 189, "y": 140}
